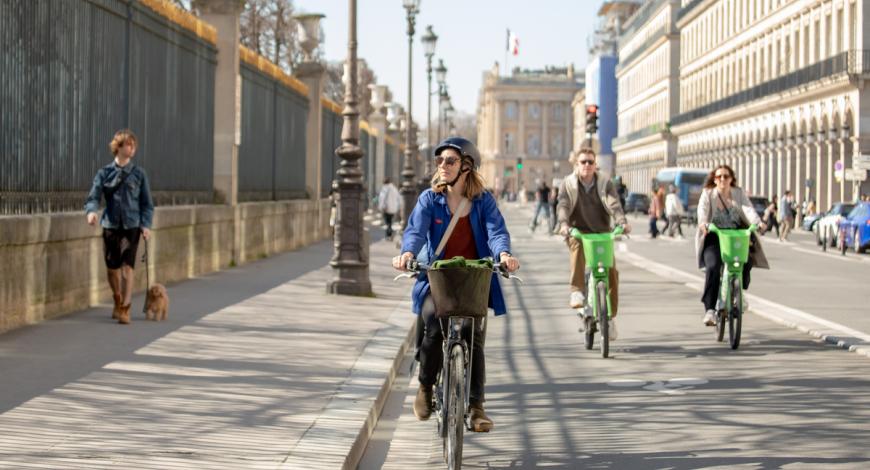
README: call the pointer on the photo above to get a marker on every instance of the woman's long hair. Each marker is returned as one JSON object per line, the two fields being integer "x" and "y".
{"x": 475, "y": 185}
{"x": 711, "y": 177}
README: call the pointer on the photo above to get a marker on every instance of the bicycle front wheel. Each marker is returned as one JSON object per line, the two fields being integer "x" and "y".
{"x": 603, "y": 325}
{"x": 735, "y": 313}
{"x": 455, "y": 408}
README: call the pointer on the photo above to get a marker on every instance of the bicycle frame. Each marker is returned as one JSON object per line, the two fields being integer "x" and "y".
{"x": 734, "y": 252}
{"x": 598, "y": 253}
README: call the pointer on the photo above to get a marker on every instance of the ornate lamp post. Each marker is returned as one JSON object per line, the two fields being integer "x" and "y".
{"x": 350, "y": 247}
{"x": 429, "y": 40}
{"x": 441, "y": 78}
{"x": 408, "y": 192}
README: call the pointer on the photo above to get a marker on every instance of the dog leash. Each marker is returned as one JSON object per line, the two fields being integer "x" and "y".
{"x": 147, "y": 277}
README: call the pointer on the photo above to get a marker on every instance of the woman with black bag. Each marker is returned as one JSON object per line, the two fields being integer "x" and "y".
{"x": 458, "y": 191}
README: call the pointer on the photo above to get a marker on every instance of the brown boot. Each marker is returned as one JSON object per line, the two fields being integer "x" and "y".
{"x": 423, "y": 403}
{"x": 124, "y": 315}
{"x": 480, "y": 422}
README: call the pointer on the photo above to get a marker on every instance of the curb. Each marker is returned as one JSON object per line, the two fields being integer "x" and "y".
{"x": 330, "y": 442}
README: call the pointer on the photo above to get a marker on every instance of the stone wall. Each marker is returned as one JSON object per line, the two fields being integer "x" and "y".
{"x": 52, "y": 264}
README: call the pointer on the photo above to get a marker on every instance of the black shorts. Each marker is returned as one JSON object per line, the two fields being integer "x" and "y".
{"x": 120, "y": 245}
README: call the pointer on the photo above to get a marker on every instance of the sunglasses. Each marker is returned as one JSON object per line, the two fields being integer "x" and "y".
{"x": 450, "y": 161}
{"x": 586, "y": 162}
{"x": 722, "y": 176}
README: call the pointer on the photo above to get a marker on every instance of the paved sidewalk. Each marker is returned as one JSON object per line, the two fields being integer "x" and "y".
{"x": 257, "y": 367}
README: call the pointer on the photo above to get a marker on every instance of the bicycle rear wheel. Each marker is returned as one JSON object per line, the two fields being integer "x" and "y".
{"x": 455, "y": 402}
{"x": 603, "y": 326}
{"x": 735, "y": 313}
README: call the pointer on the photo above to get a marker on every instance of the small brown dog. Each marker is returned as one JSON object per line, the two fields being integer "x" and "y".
{"x": 156, "y": 303}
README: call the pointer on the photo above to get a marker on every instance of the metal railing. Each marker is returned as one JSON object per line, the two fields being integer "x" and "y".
{"x": 272, "y": 151}
{"x": 641, "y": 49}
{"x": 845, "y": 63}
{"x": 330, "y": 134}
{"x": 641, "y": 133}
{"x": 72, "y": 72}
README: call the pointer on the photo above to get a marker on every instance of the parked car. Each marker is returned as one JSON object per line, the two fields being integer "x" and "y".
{"x": 855, "y": 229}
{"x": 636, "y": 202}
{"x": 827, "y": 228}
{"x": 809, "y": 221}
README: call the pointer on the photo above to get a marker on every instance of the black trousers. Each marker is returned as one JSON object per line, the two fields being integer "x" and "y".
{"x": 388, "y": 225}
{"x": 713, "y": 271}
{"x": 432, "y": 356}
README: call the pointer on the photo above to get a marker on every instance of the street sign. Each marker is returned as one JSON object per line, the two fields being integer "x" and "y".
{"x": 855, "y": 174}
{"x": 862, "y": 162}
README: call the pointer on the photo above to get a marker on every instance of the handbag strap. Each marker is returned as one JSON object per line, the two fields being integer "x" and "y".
{"x": 453, "y": 220}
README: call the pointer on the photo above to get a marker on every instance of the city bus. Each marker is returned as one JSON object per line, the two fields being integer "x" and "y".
{"x": 689, "y": 183}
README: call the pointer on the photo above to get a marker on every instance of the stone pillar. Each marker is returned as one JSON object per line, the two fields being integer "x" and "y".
{"x": 312, "y": 74}
{"x": 224, "y": 16}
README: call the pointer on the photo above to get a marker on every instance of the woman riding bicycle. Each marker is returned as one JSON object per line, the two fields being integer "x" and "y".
{"x": 480, "y": 232}
{"x": 724, "y": 204}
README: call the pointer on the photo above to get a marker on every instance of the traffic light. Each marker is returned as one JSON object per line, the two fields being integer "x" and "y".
{"x": 592, "y": 119}
{"x": 519, "y": 163}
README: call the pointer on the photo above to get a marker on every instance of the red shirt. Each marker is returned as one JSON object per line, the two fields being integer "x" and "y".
{"x": 461, "y": 241}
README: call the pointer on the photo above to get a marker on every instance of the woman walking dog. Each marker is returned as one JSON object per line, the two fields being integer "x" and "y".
{"x": 128, "y": 214}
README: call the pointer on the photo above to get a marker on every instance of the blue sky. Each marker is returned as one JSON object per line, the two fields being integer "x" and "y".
{"x": 471, "y": 36}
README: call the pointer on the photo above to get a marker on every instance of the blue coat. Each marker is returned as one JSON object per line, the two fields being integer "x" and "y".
{"x": 128, "y": 204}
{"x": 427, "y": 225}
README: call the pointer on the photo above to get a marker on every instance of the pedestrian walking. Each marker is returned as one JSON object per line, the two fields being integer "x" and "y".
{"x": 128, "y": 215}
{"x": 389, "y": 203}
{"x": 554, "y": 202}
{"x": 787, "y": 212}
{"x": 725, "y": 204}
{"x": 542, "y": 205}
{"x": 674, "y": 212}
{"x": 656, "y": 208}
{"x": 770, "y": 216}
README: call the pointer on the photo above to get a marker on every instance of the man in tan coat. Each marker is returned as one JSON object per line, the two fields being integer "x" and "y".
{"x": 590, "y": 203}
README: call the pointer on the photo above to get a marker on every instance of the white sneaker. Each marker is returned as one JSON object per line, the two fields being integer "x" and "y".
{"x": 710, "y": 318}
{"x": 611, "y": 329}
{"x": 577, "y": 299}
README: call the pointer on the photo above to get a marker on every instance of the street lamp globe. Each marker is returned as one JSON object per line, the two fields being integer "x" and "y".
{"x": 441, "y": 72}
{"x": 411, "y": 5}
{"x": 429, "y": 39}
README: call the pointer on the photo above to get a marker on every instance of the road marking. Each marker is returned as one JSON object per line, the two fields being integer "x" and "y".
{"x": 829, "y": 255}
{"x": 826, "y": 330}
{"x": 676, "y": 386}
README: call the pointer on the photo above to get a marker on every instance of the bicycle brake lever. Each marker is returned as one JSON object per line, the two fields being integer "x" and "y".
{"x": 409, "y": 275}
{"x": 514, "y": 276}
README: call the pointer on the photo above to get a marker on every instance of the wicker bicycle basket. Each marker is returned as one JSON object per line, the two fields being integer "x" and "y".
{"x": 460, "y": 291}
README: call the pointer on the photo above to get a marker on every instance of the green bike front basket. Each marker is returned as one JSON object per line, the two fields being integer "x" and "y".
{"x": 598, "y": 248}
{"x": 734, "y": 243}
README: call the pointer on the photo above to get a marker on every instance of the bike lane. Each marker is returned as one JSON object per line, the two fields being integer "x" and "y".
{"x": 670, "y": 397}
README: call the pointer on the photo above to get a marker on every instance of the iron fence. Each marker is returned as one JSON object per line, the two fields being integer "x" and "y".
{"x": 331, "y": 139}
{"x": 272, "y": 149}
{"x": 74, "y": 71}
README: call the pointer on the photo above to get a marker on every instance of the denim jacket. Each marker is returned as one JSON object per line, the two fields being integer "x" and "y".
{"x": 427, "y": 225}
{"x": 128, "y": 206}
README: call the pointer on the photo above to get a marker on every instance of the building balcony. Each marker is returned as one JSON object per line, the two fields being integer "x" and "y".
{"x": 641, "y": 49}
{"x": 850, "y": 63}
{"x": 641, "y": 133}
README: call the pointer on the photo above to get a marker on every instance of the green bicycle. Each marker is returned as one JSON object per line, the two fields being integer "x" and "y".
{"x": 598, "y": 251}
{"x": 734, "y": 249}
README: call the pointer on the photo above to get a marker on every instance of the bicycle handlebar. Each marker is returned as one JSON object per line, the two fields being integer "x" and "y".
{"x": 617, "y": 231}
{"x": 415, "y": 267}
{"x": 714, "y": 229}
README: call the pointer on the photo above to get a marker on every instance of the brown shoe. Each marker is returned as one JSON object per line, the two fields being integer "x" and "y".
{"x": 480, "y": 422}
{"x": 117, "y": 309}
{"x": 124, "y": 315}
{"x": 423, "y": 403}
